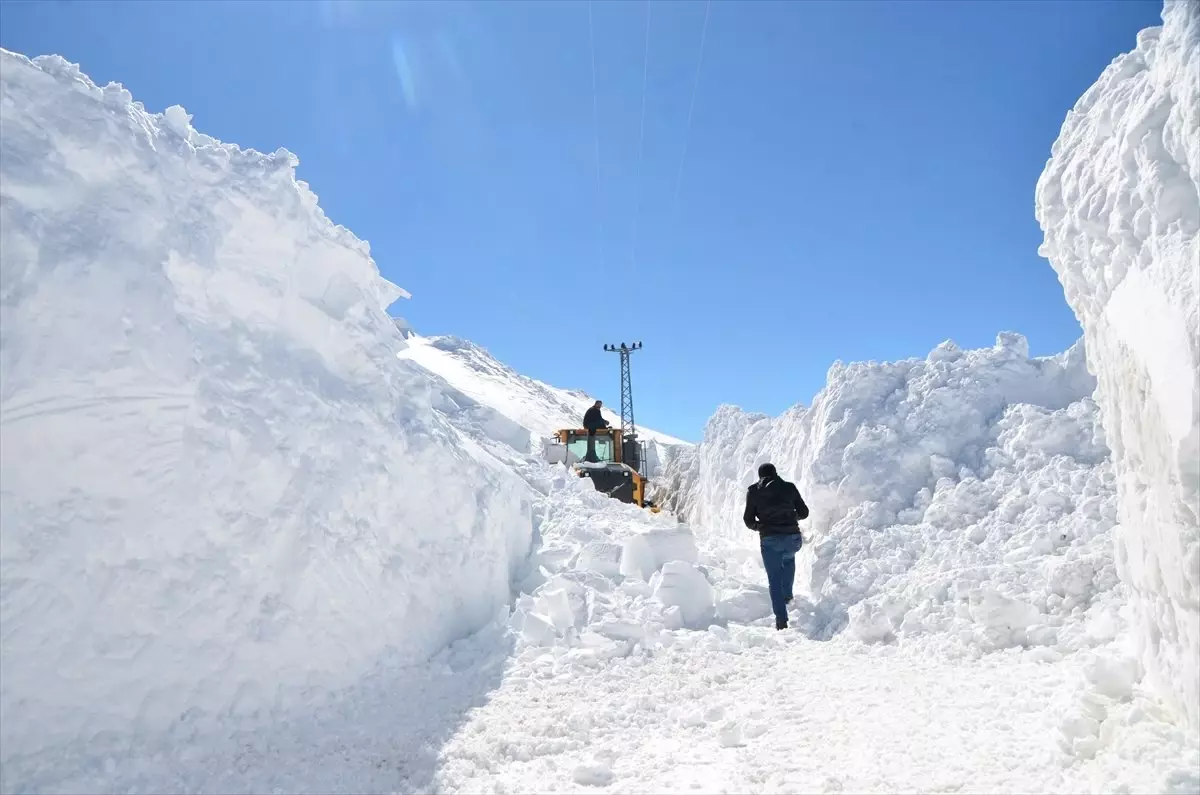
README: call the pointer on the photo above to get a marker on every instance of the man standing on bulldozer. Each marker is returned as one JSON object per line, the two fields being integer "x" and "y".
{"x": 593, "y": 421}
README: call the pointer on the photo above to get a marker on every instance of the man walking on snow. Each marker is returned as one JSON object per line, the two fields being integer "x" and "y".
{"x": 774, "y": 509}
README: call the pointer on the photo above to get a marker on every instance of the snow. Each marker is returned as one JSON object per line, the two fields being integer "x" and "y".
{"x": 616, "y": 684}
{"x": 259, "y": 536}
{"x": 965, "y": 500}
{"x": 1118, "y": 203}
{"x": 223, "y": 496}
{"x": 747, "y": 711}
{"x": 537, "y": 409}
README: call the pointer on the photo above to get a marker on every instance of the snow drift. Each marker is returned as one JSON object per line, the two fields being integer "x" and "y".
{"x": 967, "y": 496}
{"x": 1118, "y": 202}
{"x": 222, "y": 494}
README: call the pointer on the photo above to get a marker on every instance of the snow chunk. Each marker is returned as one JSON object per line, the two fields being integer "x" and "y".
{"x": 223, "y": 496}
{"x": 602, "y": 557}
{"x": 644, "y": 554}
{"x": 730, "y": 735}
{"x": 1119, "y": 205}
{"x": 178, "y": 120}
{"x": 682, "y": 585}
{"x": 595, "y": 774}
{"x": 746, "y": 604}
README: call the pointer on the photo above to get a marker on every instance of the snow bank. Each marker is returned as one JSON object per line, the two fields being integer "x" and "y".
{"x": 965, "y": 496}
{"x": 223, "y": 496}
{"x": 1119, "y": 206}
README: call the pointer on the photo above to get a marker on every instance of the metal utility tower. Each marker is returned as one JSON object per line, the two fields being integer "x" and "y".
{"x": 628, "y": 428}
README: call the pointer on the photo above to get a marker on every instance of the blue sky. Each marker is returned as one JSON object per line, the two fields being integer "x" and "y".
{"x": 858, "y": 180}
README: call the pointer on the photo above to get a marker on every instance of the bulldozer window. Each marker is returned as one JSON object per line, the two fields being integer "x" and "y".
{"x": 578, "y": 446}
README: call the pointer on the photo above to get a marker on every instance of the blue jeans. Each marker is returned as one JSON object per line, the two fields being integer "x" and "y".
{"x": 779, "y": 559}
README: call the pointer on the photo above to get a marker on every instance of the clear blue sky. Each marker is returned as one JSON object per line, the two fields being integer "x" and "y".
{"x": 858, "y": 182}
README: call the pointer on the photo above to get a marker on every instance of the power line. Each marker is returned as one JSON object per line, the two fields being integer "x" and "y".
{"x": 637, "y": 174}
{"x": 691, "y": 110}
{"x": 596, "y": 131}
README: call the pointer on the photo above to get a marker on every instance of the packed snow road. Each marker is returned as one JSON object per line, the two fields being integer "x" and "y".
{"x": 747, "y": 709}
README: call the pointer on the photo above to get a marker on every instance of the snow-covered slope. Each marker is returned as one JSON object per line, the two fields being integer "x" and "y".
{"x": 1119, "y": 202}
{"x": 966, "y": 497}
{"x": 221, "y": 494}
{"x": 538, "y": 409}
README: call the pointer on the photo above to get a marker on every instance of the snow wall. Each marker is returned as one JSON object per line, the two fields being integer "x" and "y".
{"x": 222, "y": 494}
{"x": 964, "y": 499}
{"x": 1119, "y": 205}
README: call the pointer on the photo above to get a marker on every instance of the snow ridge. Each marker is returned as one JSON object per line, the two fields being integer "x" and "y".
{"x": 1119, "y": 203}
{"x": 223, "y": 496}
{"x": 966, "y": 498}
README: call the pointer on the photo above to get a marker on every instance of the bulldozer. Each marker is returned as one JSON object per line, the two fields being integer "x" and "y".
{"x": 615, "y": 468}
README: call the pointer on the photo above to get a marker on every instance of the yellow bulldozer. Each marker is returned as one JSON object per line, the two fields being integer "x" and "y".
{"x": 614, "y": 469}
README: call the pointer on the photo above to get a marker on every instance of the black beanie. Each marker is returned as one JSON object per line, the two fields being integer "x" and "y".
{"x": 767, "y": 471}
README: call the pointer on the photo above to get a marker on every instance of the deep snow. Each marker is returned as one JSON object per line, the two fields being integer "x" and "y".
{"x": 967, "y": 496}
{"x": 1119, "y": 202}
{"x": 237, "y": 585}
{"x": 204, "y": 429}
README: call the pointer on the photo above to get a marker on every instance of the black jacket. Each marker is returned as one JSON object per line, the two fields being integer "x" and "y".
{"x": 593, "y": 420}
{"x": 774, "y": 507}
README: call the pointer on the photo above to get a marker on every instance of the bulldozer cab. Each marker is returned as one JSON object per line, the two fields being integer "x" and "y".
{"x": 609, "y": 471}
{"x": 607, "y": 444}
